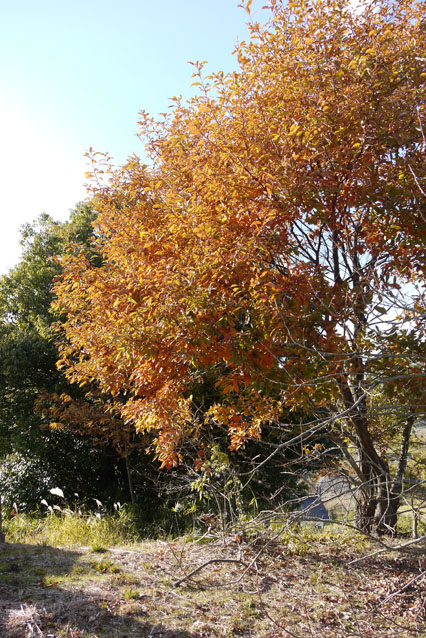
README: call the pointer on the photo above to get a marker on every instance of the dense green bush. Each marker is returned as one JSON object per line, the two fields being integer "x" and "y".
{"x": 24, "y": 481}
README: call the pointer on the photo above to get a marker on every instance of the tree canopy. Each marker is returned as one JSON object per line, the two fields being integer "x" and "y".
{"x": 276, "y": 241}
{"x": 33, "y": 457}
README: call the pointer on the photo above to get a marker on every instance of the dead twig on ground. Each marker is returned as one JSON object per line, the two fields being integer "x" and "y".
{"x": 177, "y": 583}
{"x": 406, "y": 586}
{"x": 388, "y": 548}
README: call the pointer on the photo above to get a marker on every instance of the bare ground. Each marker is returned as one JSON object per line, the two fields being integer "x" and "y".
{"x": 308, "y": 590}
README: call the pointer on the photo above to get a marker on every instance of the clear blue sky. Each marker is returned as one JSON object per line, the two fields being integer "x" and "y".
{"x": 75, "y": 73}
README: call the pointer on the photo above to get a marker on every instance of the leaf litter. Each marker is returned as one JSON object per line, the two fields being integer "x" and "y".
{"x": 129, "y": 591}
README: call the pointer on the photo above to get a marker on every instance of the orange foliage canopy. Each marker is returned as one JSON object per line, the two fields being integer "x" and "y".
{"x": 282, "y": 209}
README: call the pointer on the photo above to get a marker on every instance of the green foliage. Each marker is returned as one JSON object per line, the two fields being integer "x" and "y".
{"x": 27, "y": 356}
{"x": 68, "y": 461}
{"x": 24, "y": 481}
{"x": 37, "y": 456}
{"x": 26, "y": 291}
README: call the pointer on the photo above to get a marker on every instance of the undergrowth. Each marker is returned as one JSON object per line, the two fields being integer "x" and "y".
{"x": 72, "y": 529}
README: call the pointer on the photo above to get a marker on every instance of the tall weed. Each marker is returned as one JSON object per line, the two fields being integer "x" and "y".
{"x": 72, "y": 528}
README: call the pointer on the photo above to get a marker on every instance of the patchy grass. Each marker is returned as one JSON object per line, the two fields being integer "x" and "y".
{"x": 99, "y": 549}
{"x": 300, "y": 585}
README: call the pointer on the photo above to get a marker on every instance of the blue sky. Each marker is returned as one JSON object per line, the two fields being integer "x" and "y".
{"x": 75, "y": 73}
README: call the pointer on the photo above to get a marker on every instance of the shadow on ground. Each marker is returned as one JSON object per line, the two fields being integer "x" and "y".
{"x": 50, "y": 592}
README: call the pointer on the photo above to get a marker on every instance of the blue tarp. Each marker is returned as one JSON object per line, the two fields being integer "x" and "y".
{"x": 314, "y": 509}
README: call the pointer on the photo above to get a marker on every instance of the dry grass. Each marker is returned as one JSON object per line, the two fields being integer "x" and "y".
{"x": 301, "y": 586}
{"x": 72, "y": 528}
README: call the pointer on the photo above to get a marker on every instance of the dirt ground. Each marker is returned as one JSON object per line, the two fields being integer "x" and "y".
{"x": 310, "y": 589}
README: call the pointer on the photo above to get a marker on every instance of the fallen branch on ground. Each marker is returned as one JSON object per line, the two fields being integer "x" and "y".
{"x": 177, "y": 583}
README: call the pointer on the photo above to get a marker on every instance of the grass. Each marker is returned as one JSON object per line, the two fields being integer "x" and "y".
{"x": 131, "y": 594}
{"x": 105, "y": 566}
{"x": 73, "y": 528}
{"x": 98, "y": 549}
{"x": 301, "y": 584}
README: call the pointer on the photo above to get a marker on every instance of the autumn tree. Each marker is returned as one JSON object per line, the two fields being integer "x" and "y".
{"x": 276, "y": 241}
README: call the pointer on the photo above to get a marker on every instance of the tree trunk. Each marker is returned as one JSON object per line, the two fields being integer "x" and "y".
{"x": 375, "y": 473}
{"x": 387, "y": 510}
{"x": 364, "y": 516}
{"x": 415, "y": 532}
{"x": 379, "y": 499}
{"x": 130, "y": 480}
{"x": 368, "y": 460}
{"x": 1, "y": 528}
{"x": 377, "y": 509}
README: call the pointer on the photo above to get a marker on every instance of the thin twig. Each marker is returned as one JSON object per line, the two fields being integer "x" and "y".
{"x": 406, "y": 586}
{"x": 389, "y": 548}
{"x": 177, "y": 583}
